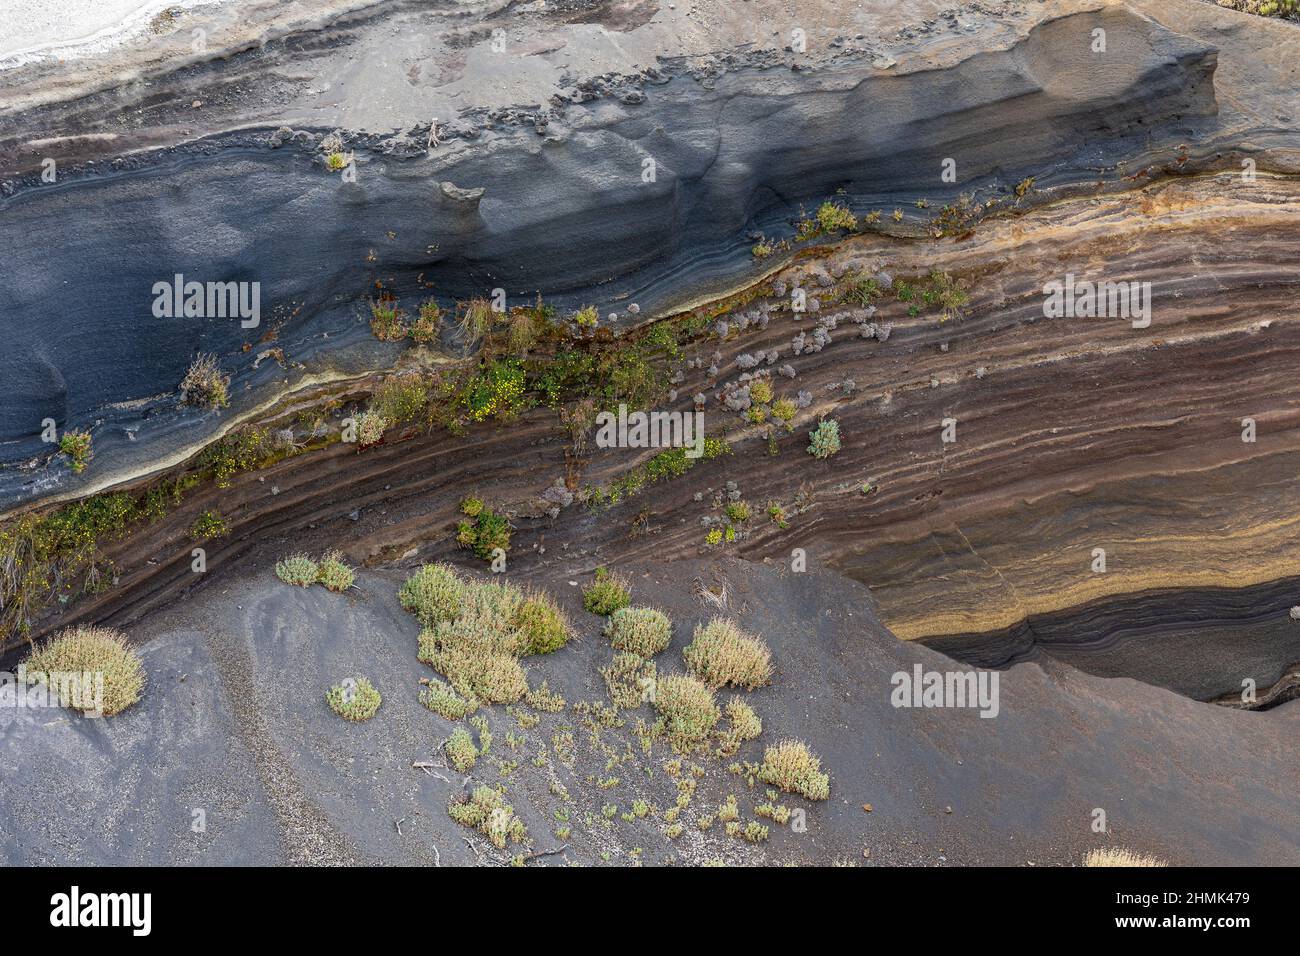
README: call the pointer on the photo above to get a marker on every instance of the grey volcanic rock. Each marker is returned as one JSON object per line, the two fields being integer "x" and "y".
{"x": 651, "y": 201}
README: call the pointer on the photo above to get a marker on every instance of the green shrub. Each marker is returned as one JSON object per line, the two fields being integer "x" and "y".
{"x": 88, "y": 650}
{"x": 477, "y": 652}
{"x": 354, "y": 700}
{"x": 495, "y": 678}
{"x": 76, "y": 445}
{"x": 737, "y": 511}
{"x": 832, "y": 216}
{"x": 824, "y": 440}
{"x": 721, "y": 654}
{"x": 861, "y": 289}
{"x": 241, "y": 450}
{"x": 485, "y": 533}
{"x": 370, "y": 429}
{"x": 942, "y": 290}
{"x": 486, "y": 810}
{"x": 744, "y": 725}
{"x": 544, "y": 625}
{"x": 400, "y": 398}
{"x": 776, "y": 813}
{"x": 743, "y": 719}
{"x": 541, "y": 698}
{"x": 461, "y": 750}
{"x": 606, "y": 594}
{"x": 334, "y": 574}
{"x": 209, "y": 524}
{"x": 958, "y": 218}
{"x": 496, "y": 391}
{"x": 668, "y": 464}
{"x": 434, "y": 593}
{"x": 639, "y": 630}
{"x": 297, "y": 569}
{"x": 427, "y": 327}
{"x": 790, "y": 766}
{"x": 474, "y": 633}
{"x": 688, "y": 708}
{"x": 445, "y": 702}
{"x": 729, "y": 811}
{"x": 387, "y": 322}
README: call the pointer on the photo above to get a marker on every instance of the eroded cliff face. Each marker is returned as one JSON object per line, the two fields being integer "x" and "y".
{"x": 650, "y": 193}
{"x": 998, "y": 449}
{"x": 1050, "y": 485}
{"x": 1071, "y": 434}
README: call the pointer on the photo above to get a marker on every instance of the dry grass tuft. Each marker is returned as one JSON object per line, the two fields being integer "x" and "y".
{"x": 476, "y": 321}
{"x": 1120, "y": 856}
{"x": 89, "y": 650}
{"x": 203, "y": 385}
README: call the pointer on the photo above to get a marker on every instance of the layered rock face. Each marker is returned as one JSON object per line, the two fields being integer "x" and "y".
{"x": 651, "y": 189}
{"x": 1001, "y": 448}
{"x": 1058, "y": 342}
{"x": 649, "y": 198}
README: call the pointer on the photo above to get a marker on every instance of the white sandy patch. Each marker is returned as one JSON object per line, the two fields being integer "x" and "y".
{"x": 39, "y": 29}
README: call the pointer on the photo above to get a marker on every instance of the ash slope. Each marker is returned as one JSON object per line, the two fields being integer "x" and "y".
{"x": 234, "y": 723}
{"x": 565, "y": 214}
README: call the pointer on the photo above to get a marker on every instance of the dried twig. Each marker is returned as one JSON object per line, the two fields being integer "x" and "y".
{"x": 541, "y": 853}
